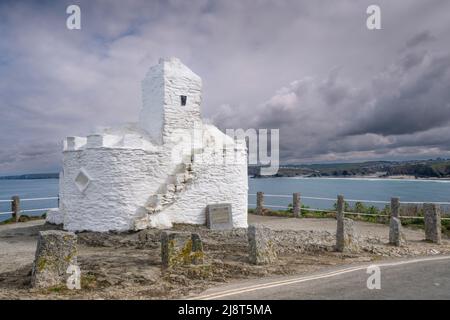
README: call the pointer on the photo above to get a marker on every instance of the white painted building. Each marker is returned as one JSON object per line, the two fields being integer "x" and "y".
{"x": 162, "y": 170}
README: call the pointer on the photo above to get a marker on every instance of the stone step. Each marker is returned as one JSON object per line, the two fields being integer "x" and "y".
{"x": 167, "y": 198}
{"x": 171, "y": 188}
{"x": 185, "y": 177}
{"x": 154, "y": 200}
{"x": 179, "y": 187}
{"x": 154, "y": 210}
{"x": 188, "y": 176}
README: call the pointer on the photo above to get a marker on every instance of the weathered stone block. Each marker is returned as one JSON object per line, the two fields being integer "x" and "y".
{"x": 15, "y": 208}
{"x": 181, "y": 248}
{"x": 340, "y": 204}
{"x": 219, "y": 216}
{"x": 56, "y": 251}
{"x": 261, "y": 246}
{"x": 395, "y": 207}
{"x": 345, "y": 235}
{"x": 259, "y": 203}
{"x": 432, "y": 215}
{"x": 396, "y": 236}
{"x": 54, "y": 216}
{"x": 296, "y": 205}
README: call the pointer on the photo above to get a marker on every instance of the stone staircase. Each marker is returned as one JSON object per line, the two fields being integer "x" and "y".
{"x": 168, "y": 192}
{"x": 175, "y": 184}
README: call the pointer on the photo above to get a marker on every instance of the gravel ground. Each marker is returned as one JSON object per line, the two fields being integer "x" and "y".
{"x": 366, "y": 228}
{"x": 18, "y": 244}
{"x": 127, "y": 265}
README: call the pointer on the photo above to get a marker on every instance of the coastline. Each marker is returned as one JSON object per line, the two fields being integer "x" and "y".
{"x": 368, "y": 177}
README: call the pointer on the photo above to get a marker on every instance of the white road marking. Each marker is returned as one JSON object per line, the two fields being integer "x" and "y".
{"x": 273, "y": 284}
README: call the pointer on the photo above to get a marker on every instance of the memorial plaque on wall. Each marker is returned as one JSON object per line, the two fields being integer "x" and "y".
{"x": 219, "y": 216}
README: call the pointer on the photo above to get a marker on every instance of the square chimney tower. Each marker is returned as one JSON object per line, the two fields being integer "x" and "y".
{"x": 171, "y": 95}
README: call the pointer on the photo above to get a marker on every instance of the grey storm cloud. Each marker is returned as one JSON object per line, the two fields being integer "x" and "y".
{"x": 420, "y": 38}
{"x": 418, "y": 100}
{"x": 405, "y": 106}
{"x": 336, "y": 90}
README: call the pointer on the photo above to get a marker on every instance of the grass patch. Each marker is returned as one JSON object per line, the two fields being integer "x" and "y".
{"x": 361, "y": 213}
{"x": 23, "y": 218}
{"x": 58, "y": 289}
{"x": 88, "y": 281}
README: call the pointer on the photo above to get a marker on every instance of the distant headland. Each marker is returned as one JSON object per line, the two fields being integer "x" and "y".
{"x": 31, "y": 176}
{"x": 412, "y": 169}
{"x": 419, "y": 169}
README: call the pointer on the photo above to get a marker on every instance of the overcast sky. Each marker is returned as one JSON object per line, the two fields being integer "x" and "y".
{"x": 336, "y": 90}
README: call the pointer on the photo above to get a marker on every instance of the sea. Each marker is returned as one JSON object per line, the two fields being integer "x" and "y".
{"x": 362, "y": 189}
{"x": 351, "y": 188}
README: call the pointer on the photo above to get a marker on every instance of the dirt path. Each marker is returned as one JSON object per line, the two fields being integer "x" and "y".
{"x": 18, "y": 244}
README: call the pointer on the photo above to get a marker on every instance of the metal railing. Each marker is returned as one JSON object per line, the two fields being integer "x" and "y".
{"x": 16, "y": 210}
{"x": 260, "y": 204}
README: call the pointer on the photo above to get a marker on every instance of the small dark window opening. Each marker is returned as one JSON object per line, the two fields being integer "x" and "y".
{"x": 183, "y": 100}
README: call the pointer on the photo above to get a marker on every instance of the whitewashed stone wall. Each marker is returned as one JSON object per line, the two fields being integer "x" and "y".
{"x": 109, "y": 178}
{"x": 180, "y": 120}
{"x": 220, "y": 178}
{"x": 151, "y": 117}
{"x": 122, "y": 179}
{"x": 162, "y": 114}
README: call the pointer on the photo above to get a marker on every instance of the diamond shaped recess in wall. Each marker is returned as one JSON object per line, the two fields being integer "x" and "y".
{"x": 82, "y": 180}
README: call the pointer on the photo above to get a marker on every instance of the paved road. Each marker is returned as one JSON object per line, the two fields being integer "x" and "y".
{"x": 422, "y": 278}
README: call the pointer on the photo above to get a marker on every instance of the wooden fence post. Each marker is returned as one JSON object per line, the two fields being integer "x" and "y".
{"x": 297, "y": 205}
{"x": 259, "y": 203}
{"x": 15, "y": 208}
